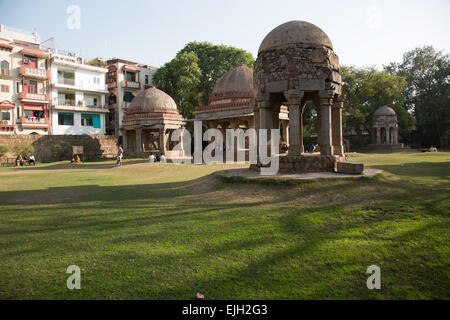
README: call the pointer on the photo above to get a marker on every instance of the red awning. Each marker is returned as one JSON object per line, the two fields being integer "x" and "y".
{"x": 33, "y": 107}
{"x": 130, "y": 68}
{"x": 35, "y": 52}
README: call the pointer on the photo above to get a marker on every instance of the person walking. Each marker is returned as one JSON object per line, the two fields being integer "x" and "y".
{"x": 119, "y": 155}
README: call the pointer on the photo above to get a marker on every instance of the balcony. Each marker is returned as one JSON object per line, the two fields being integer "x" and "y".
{"x": 132, "y": 85}
{"x": 34, "y": 97}
{"x": 6, "y": 125}
{"x": 66, "y": 81}
{"x": 33, "y": 122}
{"x": 33, "y": 72}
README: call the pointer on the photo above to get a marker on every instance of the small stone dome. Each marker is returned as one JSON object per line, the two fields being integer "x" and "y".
{"x": 238, "y": 81}
{"x": 384, "y": 111}
{"x": 153, "y": 99}
{"x": 295, "y": 32}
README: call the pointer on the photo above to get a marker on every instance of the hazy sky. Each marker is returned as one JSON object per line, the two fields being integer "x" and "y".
{"x": 363, "y": 33}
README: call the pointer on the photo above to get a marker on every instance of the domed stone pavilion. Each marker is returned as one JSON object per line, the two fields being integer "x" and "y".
{"x": 385, "y": 128}
{"x": 230, "y": 105}
{"x": 296, "y": 63}
{"x": 148, "y": 123}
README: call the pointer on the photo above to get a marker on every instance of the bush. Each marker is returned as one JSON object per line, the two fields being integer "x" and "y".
{"x": 23, "y": 149}
{"x": 3, "y": 150}
{"x": 62, "y": 150}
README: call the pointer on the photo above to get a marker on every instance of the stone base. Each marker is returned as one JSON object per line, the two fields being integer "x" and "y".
{"x": 350, "y": 167}
{"x": 304, "y": 163}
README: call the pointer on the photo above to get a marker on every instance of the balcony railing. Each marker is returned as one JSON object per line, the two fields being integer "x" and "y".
{"x": 66, "y": 102}
{"x": 132, "y": 84}
{"x": 33, "y": 72}
{"x": 33, "y": 120}
{"x": 66, "y": 81}
{"x": 34, "y": 96}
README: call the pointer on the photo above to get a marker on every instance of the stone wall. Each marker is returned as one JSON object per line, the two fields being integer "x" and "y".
{"x": 103, "y": 146}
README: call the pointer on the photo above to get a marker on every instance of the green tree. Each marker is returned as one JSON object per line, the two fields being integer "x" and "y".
{"x": 23, "y": 149}
{"x": 190, "y": 77}
{"x": 367, "y": 89}
{"x": 427, "y": 93}
{"x": 180, "y": 78}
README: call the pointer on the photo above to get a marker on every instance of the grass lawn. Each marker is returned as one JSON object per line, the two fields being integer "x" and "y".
{"x": 164, "y": 231}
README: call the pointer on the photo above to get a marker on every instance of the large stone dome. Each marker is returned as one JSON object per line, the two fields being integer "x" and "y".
{"x": 384, "y": 111}
{"x": 236, "y": 82}
{"x": 293, "y": 32}
{"x": 153, "y": 99}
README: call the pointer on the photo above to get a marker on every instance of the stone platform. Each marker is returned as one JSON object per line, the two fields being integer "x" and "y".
{"x": 305, "y": 163}
{"x": 250, "y": 174}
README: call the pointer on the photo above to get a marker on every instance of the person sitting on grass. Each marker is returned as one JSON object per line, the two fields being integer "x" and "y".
{"x": 77, "y": 159}
{"x": 151, "y": 158}
{"x": 158, "y": 157}
{"x": 163, "y": 159}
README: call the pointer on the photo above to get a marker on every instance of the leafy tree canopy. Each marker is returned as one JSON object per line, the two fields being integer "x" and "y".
{"x": 427, "y": 94}
{"x": 190, "y": 77}
{"x": 367, "y": 89}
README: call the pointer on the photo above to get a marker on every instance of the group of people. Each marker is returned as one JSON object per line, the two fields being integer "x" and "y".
{"x": 158, "y": 158}
{"x": 21, "y": 161}
{"x": 152, "y": 158}
{"x": 75, "y": 159}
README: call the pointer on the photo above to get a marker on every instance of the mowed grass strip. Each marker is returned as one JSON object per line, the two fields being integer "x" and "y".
{"x": 165, "y": 231}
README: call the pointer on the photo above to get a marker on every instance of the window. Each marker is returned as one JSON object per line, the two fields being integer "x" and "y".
{"x": 17, "y": 87}
{"x": 4, "y": 66}
{"x": 4, "y": 88}
{"x": 30, "y": 61}
{"x": 91, "y": 120}
{"x": 96, "y": 80}
{"x": 111, "y": 77}
{"x": 6, "y": 116}
{"x": 146, "y": 79}
{"x": 131, "y": 76}
{"x": 65, "y": 119}
{"x": 18, "y": 113}
{"x": 128, "y": 96}
{"x": 86, "y": 121}
{"x": 31, "y": 86}
{"x": 91, "y": 101}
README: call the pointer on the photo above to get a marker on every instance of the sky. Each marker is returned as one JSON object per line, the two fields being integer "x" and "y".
{"x": 363, "y": 32}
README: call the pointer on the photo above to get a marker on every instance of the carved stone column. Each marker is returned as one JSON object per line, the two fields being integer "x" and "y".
{"x": 336, "y": 127}
{"x": 378, "y": 130}
{"x": 294, "y": 102}
{"x": 326, "y": 100}
{"x": 388, "y": 135}
{"x": 139, "y": 140}
{"x": 162, "y": 140}
{"x": 396, "y": 135}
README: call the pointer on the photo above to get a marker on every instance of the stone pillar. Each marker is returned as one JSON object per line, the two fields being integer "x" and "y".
{"x": 396, "y": 135}
{"x": 336, "y": 127}
{"x": 294, "y": 101}
{"x": 378, "y": 132}
{"x": 286, "y": 131}
{"x": 139, "y": 140}
{"x": 264, "y": 111}
{"x": 326, "y": 100}
{"x": 388, "y": 139}
{"x": 162, "y": 140}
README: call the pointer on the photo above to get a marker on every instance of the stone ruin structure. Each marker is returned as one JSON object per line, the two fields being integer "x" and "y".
{"x": 230, "y": 105}
{"x": 385, "y": 128}
{"x": 296, "y": 63}
{"x": 148, "y": 123}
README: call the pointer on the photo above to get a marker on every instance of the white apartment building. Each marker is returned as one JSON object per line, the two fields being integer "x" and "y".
{"x": 24, "y": 83}
{"x": 124, "y": 80}
{"x": 78, "y": 94}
